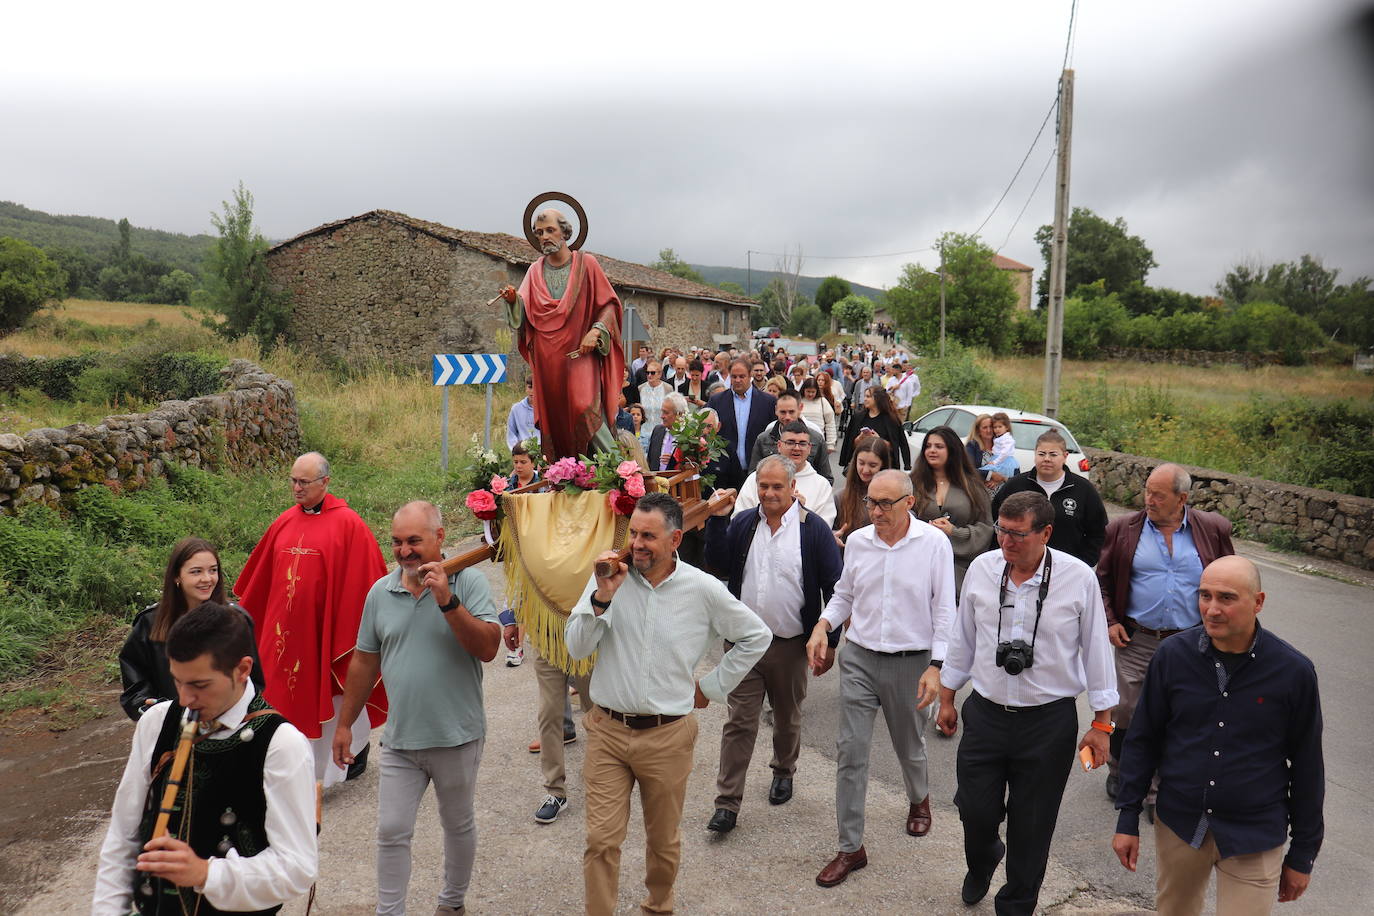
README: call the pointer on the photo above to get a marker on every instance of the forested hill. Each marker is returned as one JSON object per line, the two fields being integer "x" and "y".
{"x": 96, "y": 236}
{"x": 806, "y": 285}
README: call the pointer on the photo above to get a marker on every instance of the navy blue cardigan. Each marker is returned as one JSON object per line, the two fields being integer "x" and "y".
{"x": 727, "y": 551}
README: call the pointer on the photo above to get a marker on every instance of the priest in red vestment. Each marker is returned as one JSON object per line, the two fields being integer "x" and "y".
{"x": 304, "y": 586}
{"x": 568, "y": 320}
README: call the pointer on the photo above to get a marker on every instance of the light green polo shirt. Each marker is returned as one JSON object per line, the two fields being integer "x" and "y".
{"x": 433, "y": 686}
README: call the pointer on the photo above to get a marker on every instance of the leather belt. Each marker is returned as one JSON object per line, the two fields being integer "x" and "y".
{"x": 639, "y": 722}
{"x": 1005, "y": 708}
{"x": 1157, "y": 634}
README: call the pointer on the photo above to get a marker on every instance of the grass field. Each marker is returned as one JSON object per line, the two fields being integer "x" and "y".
{"x": 1219, "y": 385}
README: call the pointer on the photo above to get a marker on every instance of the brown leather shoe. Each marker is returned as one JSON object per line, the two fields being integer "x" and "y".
{"x": 840, "y": 867}
{"x": 918, "y": 818}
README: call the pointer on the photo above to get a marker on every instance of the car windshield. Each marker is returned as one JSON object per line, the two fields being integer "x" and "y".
{"x": 1025, "y": 433}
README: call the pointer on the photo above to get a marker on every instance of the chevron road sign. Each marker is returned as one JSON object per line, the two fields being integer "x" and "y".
{"x": 469, "y": 368}
{"x": 466, "y": 369}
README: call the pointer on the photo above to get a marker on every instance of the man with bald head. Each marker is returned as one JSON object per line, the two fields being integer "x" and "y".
{"x": 567, "y": 318}
{"x": 426, "y": 634}
{"x": 1230, "y": 722}
{"x": 1149, "y": 573}
{"x": 304, "y": 586}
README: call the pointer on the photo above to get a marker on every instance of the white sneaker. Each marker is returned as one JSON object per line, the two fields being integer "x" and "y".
{"x": 513, "y": 659}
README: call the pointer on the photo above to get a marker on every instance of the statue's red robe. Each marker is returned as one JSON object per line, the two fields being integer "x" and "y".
{"x": 304, "y": 586}
{"x": 573, "y": 398}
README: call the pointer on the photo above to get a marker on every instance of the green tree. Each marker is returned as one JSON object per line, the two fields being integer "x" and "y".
{"x": 831, "y": 291}
{"x": 81, "y": 269}
{"x": 852, "y": 312}
{"x": 670, "y": 263}
{"x": 730, "y": 286}
{"x": 237, "y": 283}
{"x": 1098, "y": 250}
{"x": 1094, "y": 323}
{"x": 979, "y": 298}
{"x": 769, "y": 312}
{"x": 29, "y": 279}
{"x": 124, "y": 249}
{"x": 175, "y": 287}
{"x": 807, "y": 321}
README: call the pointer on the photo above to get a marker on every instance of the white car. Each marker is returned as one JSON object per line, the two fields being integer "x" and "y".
{"x": 1025, "y": 428}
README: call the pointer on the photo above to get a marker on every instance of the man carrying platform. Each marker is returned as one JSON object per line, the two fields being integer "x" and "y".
{"x": 241, "y": 832}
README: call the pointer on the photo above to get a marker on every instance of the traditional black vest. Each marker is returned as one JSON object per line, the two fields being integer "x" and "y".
{"x": 221, "y": 804}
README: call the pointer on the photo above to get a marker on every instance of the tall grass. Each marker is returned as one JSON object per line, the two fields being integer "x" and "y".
{"x": 101, "y": 557}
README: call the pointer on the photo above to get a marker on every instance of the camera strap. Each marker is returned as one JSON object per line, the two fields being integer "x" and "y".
{"x": 1039, "y": 598}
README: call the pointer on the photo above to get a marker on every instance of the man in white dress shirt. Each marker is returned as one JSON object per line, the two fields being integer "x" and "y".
{"x": 1031, "y": 635}
{"x": 651, "y": 625}
{"x": 814, "y": 491}
{"x": 897, "y": 592}
{"x": 241, "y": 835}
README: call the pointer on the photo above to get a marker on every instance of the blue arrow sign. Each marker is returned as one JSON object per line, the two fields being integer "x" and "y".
{"x": 469, "y": 368}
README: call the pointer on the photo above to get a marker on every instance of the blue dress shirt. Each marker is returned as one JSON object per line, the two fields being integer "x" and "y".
{"x": 1163, "y": 585}
{"x": 742, "y": 405}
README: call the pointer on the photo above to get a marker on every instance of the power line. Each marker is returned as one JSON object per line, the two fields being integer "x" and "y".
{"x": 1069, "y": 39}
{"x": 1024, "y": 159}
{"x": 1029, "y": 198}
{"x": 840, "y": 257}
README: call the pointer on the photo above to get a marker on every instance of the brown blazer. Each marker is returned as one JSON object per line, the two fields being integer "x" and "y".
{"x": 1211, "y": 536}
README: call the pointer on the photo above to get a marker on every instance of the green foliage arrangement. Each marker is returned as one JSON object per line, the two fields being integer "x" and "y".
{"x": 29, "y": 279}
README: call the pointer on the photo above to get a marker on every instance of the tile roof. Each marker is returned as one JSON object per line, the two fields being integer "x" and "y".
{"x": 514, "y": 250}
{"x": 1002, "y": 263}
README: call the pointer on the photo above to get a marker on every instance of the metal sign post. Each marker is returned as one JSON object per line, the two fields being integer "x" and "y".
{"x": 466, "y": 369}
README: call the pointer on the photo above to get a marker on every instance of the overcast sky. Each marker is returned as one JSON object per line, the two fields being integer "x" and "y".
{"x": 1219, "y": 131}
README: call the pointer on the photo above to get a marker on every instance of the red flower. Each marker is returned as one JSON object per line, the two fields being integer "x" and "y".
{"x": 621, "y": 502}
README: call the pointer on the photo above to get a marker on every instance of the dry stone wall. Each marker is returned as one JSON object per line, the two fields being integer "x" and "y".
{"x": 252, "y": 424}
{"x": 1318, "y": 522}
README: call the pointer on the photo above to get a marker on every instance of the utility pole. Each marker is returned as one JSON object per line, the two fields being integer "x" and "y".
{"x": 1059, "y": 247}
{"x": 942, "y": 299}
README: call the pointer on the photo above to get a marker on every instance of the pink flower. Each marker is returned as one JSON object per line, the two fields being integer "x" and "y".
{"x": 498, "y": 483}
{"x": 482, "y": 503}
{"x": 563, "y": 470}
{"x": 634, "y": 486}
{"x": 583, "y": 477}
{"x": 627, "y": 469}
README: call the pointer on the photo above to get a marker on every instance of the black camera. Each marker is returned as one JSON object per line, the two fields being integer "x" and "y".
{"x": 1015, "y": 656}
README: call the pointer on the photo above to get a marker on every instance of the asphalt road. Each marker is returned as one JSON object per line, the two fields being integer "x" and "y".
{"x": 1332, "y": 622}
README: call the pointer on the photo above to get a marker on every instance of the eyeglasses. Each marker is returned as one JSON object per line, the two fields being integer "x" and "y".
{"x": 884, "y": 504}
{"x": 796, "y": 443}
{"x": 651, "y": 372}
{"x": 1019, "y": 535}
{"x": 298, "y": 482}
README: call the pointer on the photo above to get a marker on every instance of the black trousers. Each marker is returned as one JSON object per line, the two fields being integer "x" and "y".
{"x": 1013, "y": 764}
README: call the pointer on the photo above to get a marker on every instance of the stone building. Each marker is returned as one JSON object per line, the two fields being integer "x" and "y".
{"x": 1020, "y": 279}
{"x": 386, "y": 286}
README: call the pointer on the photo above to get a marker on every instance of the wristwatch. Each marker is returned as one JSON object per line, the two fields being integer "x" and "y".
{"x": 600, "y": 605}
{"x": 937, "y": 663}
{"x": 449, "y": 605}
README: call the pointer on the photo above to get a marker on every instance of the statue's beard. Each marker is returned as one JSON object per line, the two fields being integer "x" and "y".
{"x": 550, "y": 247}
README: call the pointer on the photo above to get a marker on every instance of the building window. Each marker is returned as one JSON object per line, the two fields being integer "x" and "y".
{"x": 662, "y": 313}
{"x": 725, "y": 320}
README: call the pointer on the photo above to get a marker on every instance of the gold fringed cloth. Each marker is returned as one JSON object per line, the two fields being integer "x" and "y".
{"x": 550, "y": 542}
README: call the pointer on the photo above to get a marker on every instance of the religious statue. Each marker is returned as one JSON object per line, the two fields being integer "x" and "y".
{"x": 567, "y": 318}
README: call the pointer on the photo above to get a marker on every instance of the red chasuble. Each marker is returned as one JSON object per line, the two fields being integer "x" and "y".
{"x": 304, "y": 586}
{"x": 572, "y": 397}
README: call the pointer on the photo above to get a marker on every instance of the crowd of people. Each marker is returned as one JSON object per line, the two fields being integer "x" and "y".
{"x": 831, "y": 543}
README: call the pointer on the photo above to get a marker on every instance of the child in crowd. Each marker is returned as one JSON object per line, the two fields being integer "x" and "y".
{"x": 1003, "y": 459}
{"x": 524, "y": 472}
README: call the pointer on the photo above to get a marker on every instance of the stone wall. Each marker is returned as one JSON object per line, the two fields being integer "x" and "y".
{"x": 687, "y": 322}
{"x": 1318, "y": 522}
{"x": 252, "y": 424}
